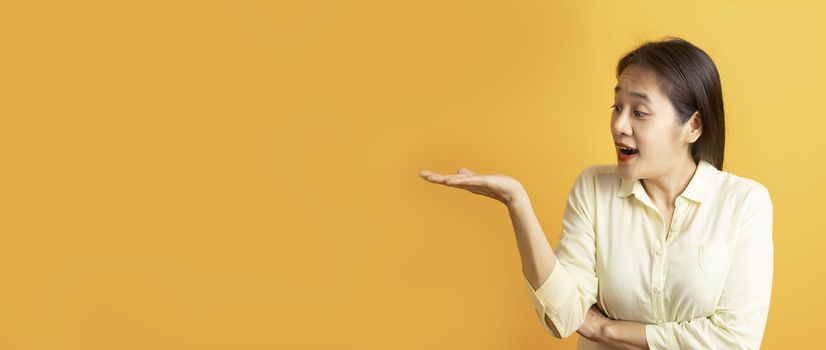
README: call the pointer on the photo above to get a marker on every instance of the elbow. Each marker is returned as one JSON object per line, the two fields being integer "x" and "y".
{"x": 555, "y": 331}
{"x": 551, "y": 328}
{"x": 739, "y": 336}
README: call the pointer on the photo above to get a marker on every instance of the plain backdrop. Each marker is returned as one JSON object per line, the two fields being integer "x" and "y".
{"x": 244, "y": 174}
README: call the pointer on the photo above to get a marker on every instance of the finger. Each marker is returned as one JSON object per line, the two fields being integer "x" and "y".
{"x": 431, "y": 176}
{"x": 434, "y": 177}
{"x": 425, "y": 173}
{"x": 465, "y": 180}
{"x": 447, "y": 180}
{"x": 465, "y": 171}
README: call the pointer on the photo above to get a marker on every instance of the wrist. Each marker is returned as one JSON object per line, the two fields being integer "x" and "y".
{"x": 517, "y": 199}
{"x": 606, "y": 330}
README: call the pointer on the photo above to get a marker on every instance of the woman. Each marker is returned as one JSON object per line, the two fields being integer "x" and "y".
{"x": 662, "y": 250}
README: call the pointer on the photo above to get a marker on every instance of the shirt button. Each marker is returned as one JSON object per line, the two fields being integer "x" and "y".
{"x": 659, "y": 252}
{"x": 657, "y": 290}
{"x": 659, "y": 321}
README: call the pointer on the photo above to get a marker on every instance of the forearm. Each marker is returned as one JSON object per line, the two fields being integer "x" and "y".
{"x": 538, "y": 259}
{"x": 624, "y": 334}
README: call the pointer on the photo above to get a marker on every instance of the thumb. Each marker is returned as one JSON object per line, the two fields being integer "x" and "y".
{"x": 465, "y": 171}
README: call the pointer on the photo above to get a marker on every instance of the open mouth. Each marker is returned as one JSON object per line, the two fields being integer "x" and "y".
{"x": 629, "y": 151}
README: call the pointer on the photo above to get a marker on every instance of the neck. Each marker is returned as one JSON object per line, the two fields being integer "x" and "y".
{"x": 664, "y": 189}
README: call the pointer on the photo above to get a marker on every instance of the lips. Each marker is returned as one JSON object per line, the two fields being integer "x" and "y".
{"x": 622, "y": 156}
{"x": 626, "y": 149}
{"x": 626, "y": 152}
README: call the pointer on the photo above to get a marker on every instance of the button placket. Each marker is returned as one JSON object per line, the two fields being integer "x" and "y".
{"x": 675, "y": 219}
{"x": 657, "y": 278}
{"x": 658, "y": 271}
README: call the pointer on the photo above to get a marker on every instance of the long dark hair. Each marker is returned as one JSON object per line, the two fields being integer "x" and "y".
{"x": 690, "y": 80}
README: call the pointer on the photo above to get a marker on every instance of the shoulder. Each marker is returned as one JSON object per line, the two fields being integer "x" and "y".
{"x": 746, "y": 189}
{"x": 750, "y": 204}
{"x": 599, "y": 178}
{"x": 745, "y": 196}
{"x": 599, "y": 171}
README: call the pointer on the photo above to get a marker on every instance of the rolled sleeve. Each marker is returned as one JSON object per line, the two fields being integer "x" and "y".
{"x": 561, "y": 299}
{"x": 740, "y": 317}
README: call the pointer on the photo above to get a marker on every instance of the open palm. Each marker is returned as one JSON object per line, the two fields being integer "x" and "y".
{"x": 497, "y": 186}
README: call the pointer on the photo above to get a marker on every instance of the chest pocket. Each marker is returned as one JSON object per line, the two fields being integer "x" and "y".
{"x": 714, "y": 257}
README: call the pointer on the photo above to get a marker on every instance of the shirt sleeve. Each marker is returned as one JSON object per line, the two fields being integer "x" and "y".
{"x": 739, "y": 319}
{"x": 571, "y": 288}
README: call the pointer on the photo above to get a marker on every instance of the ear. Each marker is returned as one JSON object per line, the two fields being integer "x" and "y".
{"x": 695, "y": 127}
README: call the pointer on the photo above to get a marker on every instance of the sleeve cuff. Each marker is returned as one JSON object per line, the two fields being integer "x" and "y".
{"x": 656, "y": 339}
{"x": 551, "y": 297}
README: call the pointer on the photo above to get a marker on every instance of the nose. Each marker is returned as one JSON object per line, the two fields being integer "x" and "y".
{"x": 620, "y": 124}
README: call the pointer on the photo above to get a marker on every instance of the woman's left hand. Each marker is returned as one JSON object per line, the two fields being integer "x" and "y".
{"x": 595, "y": 322}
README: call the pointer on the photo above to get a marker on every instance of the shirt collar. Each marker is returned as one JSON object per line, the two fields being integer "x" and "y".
{"x": 696, "y": 190}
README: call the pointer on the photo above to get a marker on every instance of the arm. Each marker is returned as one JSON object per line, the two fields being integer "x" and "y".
{"x": 562, "y": 285}
{"x": 739, "y": 319}
{"x": 624, "y": 334}
{"x": 538, "y": 260}
{"x": 567, "y": 286}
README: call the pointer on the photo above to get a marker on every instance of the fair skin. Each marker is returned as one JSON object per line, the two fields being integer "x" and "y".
{"x": 663, "y": 164}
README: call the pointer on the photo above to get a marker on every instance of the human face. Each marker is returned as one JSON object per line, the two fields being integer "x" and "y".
{"x": 643, "y": 118}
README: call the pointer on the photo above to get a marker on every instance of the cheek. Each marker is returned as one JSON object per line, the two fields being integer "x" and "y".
{"x": 659, "y": 140}
{"x": 677, "y": 138}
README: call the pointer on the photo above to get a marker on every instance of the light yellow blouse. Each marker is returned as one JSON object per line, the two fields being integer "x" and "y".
{"x": 706, "y": 284}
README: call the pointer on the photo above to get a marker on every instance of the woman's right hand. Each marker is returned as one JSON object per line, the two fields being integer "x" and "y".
{"x": 503, "y": 188}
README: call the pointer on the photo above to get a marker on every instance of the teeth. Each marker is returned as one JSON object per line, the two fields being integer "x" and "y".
{"x": 628, "y": 150}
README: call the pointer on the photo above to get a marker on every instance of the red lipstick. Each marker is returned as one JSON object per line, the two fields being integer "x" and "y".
{"x": 625, "y": 152}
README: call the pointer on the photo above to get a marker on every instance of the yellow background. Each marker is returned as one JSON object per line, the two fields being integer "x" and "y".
{"x": 244, "y": 174}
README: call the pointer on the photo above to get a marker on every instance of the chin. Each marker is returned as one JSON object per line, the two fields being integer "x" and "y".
{"x": 628, "y": 178}
{"x": 625, "y": 173}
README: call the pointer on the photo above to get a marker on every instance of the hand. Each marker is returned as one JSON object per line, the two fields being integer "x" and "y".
{"x": 595, "y": 322}
{"x": 500, "y": 187}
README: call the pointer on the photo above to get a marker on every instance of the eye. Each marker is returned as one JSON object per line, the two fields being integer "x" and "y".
{"x": 638, "y": 114}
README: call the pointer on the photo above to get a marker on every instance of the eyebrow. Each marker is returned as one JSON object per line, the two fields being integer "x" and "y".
{"x": 635, "y": 94}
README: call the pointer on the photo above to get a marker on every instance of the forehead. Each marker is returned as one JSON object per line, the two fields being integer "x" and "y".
{"x": 640, "y": 84}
